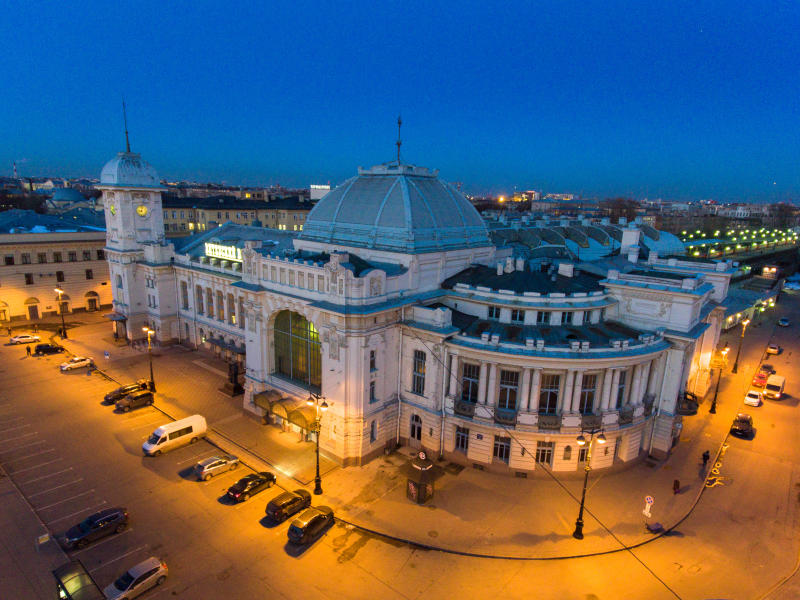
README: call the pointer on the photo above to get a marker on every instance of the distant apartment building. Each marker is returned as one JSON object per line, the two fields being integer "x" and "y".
{"x": 317, "y": 191}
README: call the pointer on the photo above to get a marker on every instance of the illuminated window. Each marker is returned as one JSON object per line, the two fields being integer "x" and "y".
{"x": 298, "y": 353}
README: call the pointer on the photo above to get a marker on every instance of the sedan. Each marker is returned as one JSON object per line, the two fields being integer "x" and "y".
{"x": 742, "y": 426}
{"x": 773, "y": 349}
{"x": 310, "y": 524}
{"x": 753, "y": 398}
{"x": 76, "y": 362}
{"x": 96, "y": 526}
{"x": 207, "y": 468}
{"x": 137, "y": 580}
{"x": 250, "y": 485}
{"x": 24, "y": 339}
{"x": 784, "y": 322}
{"x": 119, "y": 393}
{"x": 760, "y": 379}
{"x": 284, "y": 505}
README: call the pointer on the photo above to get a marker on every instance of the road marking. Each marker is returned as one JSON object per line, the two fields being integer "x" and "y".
{"x": 24, "y": 446}
{"x": 19, "y": 437}
{"x": 29, "y": 456}
{"x": 113, "y": 560}
{"x": 77, "y": 512}
{"x": 108, "y": 539}
{"x": 58, "y": 487}
{"x": 148, "y": 424}
{"x": 194, "y": 456}
{"x": 15, "y": 428}
{"x": 49, "y": 462}
{"x": 86, "y": 493}
{"x": 45, "y": 476}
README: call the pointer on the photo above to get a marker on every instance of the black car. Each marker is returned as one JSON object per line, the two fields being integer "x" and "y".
{"x": 742, "y": 426}
{"x": 135, "y": 400}
{"x": 250, "y": 485}
{"x": 310, "y": 524}
{"x": 98, "y": 525}
{"x": 119, "y": 393}
{"x": 47, "y": 349}
{"x": 286, "y": 504}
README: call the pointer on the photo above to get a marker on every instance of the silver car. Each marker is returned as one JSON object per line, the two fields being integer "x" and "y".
{"x": 206, "y": 469}
{"x": 137, "y": 580}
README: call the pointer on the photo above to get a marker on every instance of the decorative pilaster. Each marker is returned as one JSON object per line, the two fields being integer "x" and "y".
{"x": 605, "y": 397}
{"x": 524, "y": 390}
{"x": 536, "y": 386}
{"x": 491, "y": 390}
{"x": 482, "y": 384}
{"x": 576, "y": 392}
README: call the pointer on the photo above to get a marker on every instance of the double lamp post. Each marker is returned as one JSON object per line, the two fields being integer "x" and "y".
{"x": 60, "y": 293}
{"x": 582, "y": 441}
{"x": 320, "y": 406}
{"x": 150, "y": 334}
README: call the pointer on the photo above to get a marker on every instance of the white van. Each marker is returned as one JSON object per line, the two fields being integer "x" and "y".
{"x": 774, "y": 387}
{"x": 175, "y": 434}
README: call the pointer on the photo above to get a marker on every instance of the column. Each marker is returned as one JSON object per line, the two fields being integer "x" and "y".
{"x": 536, "y": 386}
{"x": 524, "y": 390}
{"x": 453, "y": 374}
{"x": 606, "y": 395}
{"x": 491, "y": 388}
{"x": 635, "y": 398}
{"x": 646, "y": 369}
{"x": 565, "y": 399}
{"x": 576, "y": 391}
{"x": 482, "y": 384}
{"x": 612, "y": 401}
{"x": 657, "y": 375}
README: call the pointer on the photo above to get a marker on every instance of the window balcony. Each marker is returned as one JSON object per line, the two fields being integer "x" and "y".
{"x": 550, "y": 422}
{"x": 505, "y": 416}
{"x": 464, "y": 409}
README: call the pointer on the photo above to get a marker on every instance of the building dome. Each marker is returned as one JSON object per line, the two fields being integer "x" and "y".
{"x": 128, "y": 169}
{"x": 398, "y": 208}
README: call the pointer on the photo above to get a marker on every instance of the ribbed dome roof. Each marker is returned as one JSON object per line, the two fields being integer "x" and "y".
{"x": 128, "y": 169}
{"x": 399, "y": 208}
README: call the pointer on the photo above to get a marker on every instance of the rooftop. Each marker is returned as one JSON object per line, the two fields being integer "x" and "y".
{"x": 525, "y": 281}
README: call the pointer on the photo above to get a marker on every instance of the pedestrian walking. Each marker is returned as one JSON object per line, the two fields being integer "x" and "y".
{"x": 706, "y": 458}
{"x": 28, "y": 348}
{"x": 676, "y": 486}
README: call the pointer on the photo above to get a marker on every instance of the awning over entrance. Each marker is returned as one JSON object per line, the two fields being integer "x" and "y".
{"x": 115, "y": 317}
{"x": 285, "y": 406}
{"x": 74, "y": 583}
{"x": 265, "y": 399}
{"x": 302, "y": 416}
{"x": 226, "y": 345}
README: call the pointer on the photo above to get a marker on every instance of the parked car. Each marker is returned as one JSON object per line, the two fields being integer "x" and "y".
{"x": 175, "y": 434}
{"x": 135, "y": 400}
{"x": 250, "y": 485}
{"x": 760, "y": 379}
{"x": 24, "y": 338}
{"x": 310, "y": 524}
{"x": 773, "y": 349}
{"x": 119, "y": 393}
{"x": 137, "y": 580}
{"x": 76, "y": 362}
{"x": 742, "y": 426}
{"x": 96, "y": 526}
{"x": 47, "y": 349}
{"x": 207, "y": 468}
{"x": 284, "y": 505}
{"x": 784, "y": 322}
{"x": 767, "y": 368}
{"x": 753, "y": 398}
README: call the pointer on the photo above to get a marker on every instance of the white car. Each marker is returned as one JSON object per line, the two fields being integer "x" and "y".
{"x": 76, "y": 362}
{"x": 24, "y": 338}
{"x": 137, "y": 580}
{"x": 773, "y": 349}
{"x": 753, "y": 398}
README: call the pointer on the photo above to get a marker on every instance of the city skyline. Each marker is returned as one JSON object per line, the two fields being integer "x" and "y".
{"x": 682, "y": 102}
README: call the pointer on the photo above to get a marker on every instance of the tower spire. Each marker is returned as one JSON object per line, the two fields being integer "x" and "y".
{"x": 125, "y": 118}
{"x": 399, "y": 142}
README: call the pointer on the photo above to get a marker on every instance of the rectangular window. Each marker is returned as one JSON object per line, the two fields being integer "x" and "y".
{"x": 372, "y": 397}
{"x": 273, "y": 274}
{"x": 87, "y": 255}
{"x": 28, "y": 278}
{"x": 623, "y": 375}
{"x": 469, "y": 382}
{"x": 101, "y": 255}
{"x": 548, "y": 394}
{"x": 341, "y": 286}
{"x": 509, "y": 382}
{"x": 502, "y": 448}
{"x": 72, "y": 256}
{"x": 541, "y": 317}
{"x": 41, "y": 258}
{"x": 373, "y": 432}
{"x": 544, "y": 453}
{"x": 320, "y": 283}
{"x": 462, "y": 439}
{"x": 291, "y": 277}
{"x": 494, "y": 312}
{"x": 310, "y": 281}
{"x": 59, "y": 276}
{"x": 26, "y": 258}
{"x": 518, "y": 316}
{"x": 588, "y": 391}
{"x": 301, "y": 280}
{"x": 418, "y": 375}
{"x": 56, "y": 257}
{"x": 372, "y": 366}
{"x": 582, "y": 453}
{"x": 89, "y": 274}
{"x": 9, "y": 260}
{"x": 566, "y": 318}
{"x": 283, "y": 275}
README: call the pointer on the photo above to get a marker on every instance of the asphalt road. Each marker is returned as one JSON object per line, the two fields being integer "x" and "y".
{"x": 71, "y": 456}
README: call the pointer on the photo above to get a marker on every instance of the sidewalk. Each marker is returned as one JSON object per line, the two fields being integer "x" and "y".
{"x": 472, "y": 511}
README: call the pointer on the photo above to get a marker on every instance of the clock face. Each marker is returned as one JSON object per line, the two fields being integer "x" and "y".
{"x": 141, "y": 210}
{"x": 113, "y": 209}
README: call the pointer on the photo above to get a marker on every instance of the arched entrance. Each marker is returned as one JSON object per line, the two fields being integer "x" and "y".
{"x": 32, "y": 306}
{"x": 92, "y": 300}
{"x": 63, "y": 303}
{"x": 298, "y": 355}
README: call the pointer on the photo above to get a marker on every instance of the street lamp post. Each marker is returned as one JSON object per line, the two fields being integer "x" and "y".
{"x": 601, "y": 439}
{"x": 59, "y": 291}
{"x": 319, "y": 409}
{"x": 713, "y": 409}
{"x": 745, "y": 323}
{"x": 150, "y": 333}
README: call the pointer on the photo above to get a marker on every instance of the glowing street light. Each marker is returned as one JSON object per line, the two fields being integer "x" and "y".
{"x": 320, "y": 408}
{"x": 59, "y": 291}
{"x": 601, "y": 439}
{"x": 150, "y": 334}
{"x": 745, "y": 323}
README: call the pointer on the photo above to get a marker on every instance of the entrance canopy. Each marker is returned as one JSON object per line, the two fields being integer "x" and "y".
{"x": 115, "y": 317}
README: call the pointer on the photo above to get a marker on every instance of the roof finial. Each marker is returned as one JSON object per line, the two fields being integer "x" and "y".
{"x": 399, "y": 142}
{"x": 125, "y": 118}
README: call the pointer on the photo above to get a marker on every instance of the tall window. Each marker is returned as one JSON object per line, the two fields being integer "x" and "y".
{"x": 199, "y": 299}
{"x": 373, "y": 431}
{"x": 72, "y": 256}
{"x": 509, "y": 382}
{"x": 566, "y": 318}
{"x": 87, "y": 255}
{"x": 623, "y": 375}
{"x": 220, "y": 306}
{"x": 41, "y": 257}
{"x": 418, "y": 374}
{"x": 119, "y": 281}
{"x": 462, "y": 439}
{"x": 184, "y": 295}
{"x": 59, "y": 276}
{"x": 26, "y": 258}
{"x": 56, "y": 256}
{"x": 494, "y": 312}
{"x": 582, "y": 454}
{"x": 372, "y": 366}
{"x": 541, "y": 317}
{"x": 518, "y": 316}
{"x": 28, "y": 278}
{"x": 209, "y": 303}
{"x": 502, "y": 448}
{"x": 416, "y": 427}
{"x": 298, "y": 354}
{"x": 372, "y": 397}
{"x": 469, "y": 382}
{"x": 548, "y": 394}
{"x": 544, "y": 453}
{"x": 588, "y": 390}
{"x": 101, "y": 255}
{"x": 89, "y": 274}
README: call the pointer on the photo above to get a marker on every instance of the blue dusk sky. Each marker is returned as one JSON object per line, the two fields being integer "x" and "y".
{"x": 678, "y": 100}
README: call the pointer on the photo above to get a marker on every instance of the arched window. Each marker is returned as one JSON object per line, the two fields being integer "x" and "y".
{"x": 298, "y": 354}
{"x": 568, "y": 453}
{"x": 209, "y": 302}
{"x": 119, "y": 281}
{"x": 184, "y": 295}
{"x": 220, "y": 307}
{"x": 199, "y": 295}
